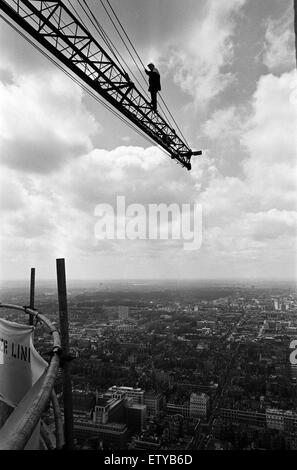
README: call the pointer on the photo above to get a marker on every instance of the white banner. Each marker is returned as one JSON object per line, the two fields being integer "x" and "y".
{"x": 20, "y": 366}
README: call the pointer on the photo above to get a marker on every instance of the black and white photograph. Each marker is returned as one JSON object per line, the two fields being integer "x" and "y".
{"x": 148, "y": 240}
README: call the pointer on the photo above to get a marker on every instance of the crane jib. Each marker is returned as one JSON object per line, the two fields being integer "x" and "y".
{"x": 56, "y": 28}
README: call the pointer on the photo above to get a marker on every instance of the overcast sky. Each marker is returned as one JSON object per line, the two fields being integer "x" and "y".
{"x": 228, "y": 77}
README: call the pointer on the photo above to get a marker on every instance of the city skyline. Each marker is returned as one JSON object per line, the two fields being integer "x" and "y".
{"x": 167, "y": 370}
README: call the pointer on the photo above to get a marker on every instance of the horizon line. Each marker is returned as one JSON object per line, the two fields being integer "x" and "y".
{"x": 138, "y": 280}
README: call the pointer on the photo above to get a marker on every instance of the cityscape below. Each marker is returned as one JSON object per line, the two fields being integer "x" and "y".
{"x": 176, "y": 366}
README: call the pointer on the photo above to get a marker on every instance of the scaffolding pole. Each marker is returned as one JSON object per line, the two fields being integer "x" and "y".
{"x": 64, "y": 330}
{"x": 32, "y": 295}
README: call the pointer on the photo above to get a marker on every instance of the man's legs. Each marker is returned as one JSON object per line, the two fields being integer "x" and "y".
{"x": 154, "y": 100}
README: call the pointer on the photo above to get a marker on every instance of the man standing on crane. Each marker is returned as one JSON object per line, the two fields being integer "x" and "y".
{"x": 154, "y": 84}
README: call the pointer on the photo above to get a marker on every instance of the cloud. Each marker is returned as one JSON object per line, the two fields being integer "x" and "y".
{"x": 12, "y": 193}
{"x": 142, "y": 175}
{"x": 256, "y": 214}
{"x": 271, "y": 142}
{"x": 52, "y": 177}
{"x": 223, "y": 123}
{"x": 43, "y": 122}
{"x": 251, "y": 218}
{"x": 272, "y": 224}
{"x": 279, "y": 45}
{"x": 200, "y": 66}
{"x": 58, "y": 209}
{"x": 17, "y": 55}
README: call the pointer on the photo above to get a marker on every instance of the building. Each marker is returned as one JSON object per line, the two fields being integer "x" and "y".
{"x": 135, "y": 417}
{"x": 123, "y": 312}
{"x": 115, "y": 406}
{"x": 199, "y": 405}
{"x": 290, "y": 422}
{"x": 281, "y": 420}
{"x": 112, "y": 435}
{"x": 136, "y": 394}
{"x": 126, "y": 327}
{"x": 109, "y": 409}
{"x": 183, "y": 410}
{"x": 275, "y": 419}
{"x": 147, "y": 444}
{"x": 235, "y": 416}
{"x": 175, "y": 427}
{"x": 83, "y": 401}
{"x": 163, "y": 377}
{"x": 153, "y": 402}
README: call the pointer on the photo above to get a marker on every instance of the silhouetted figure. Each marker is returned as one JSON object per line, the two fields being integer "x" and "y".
{"x": 154, "y": 84}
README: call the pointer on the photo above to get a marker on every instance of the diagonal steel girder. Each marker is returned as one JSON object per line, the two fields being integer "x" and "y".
{"x": 55, "y": 27}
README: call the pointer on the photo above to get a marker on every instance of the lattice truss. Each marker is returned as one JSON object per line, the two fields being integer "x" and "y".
{"x": 54, "y": 26}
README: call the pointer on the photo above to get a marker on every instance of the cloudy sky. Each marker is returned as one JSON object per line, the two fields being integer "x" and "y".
{"x": 228, "y": 77}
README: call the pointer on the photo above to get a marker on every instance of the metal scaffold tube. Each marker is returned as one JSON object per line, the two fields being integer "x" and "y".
{"x": 60, "y": 441}
{"x": 18, "y": 428}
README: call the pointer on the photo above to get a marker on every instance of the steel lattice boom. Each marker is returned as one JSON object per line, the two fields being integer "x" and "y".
{"x": 54, "y": 26}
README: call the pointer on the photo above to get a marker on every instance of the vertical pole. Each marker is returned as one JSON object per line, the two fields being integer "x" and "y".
{"x": 32, "y": 294}
{"x": 67, "y": 385}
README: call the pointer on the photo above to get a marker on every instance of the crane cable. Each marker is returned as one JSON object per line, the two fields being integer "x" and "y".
{"x": 137, "y": 66}
{"x": 80, "y": 18}
{"x": 140, "y": 60}
{"x": 103, "y": 37}
{"x": 128, "y": 67}
{"x": 109, "y": 16}
{"x": 103, "y": 34}
{"x": 84, "y": 87}
{"x": 53, "y": 61}
{"x": 108, "y": 42}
